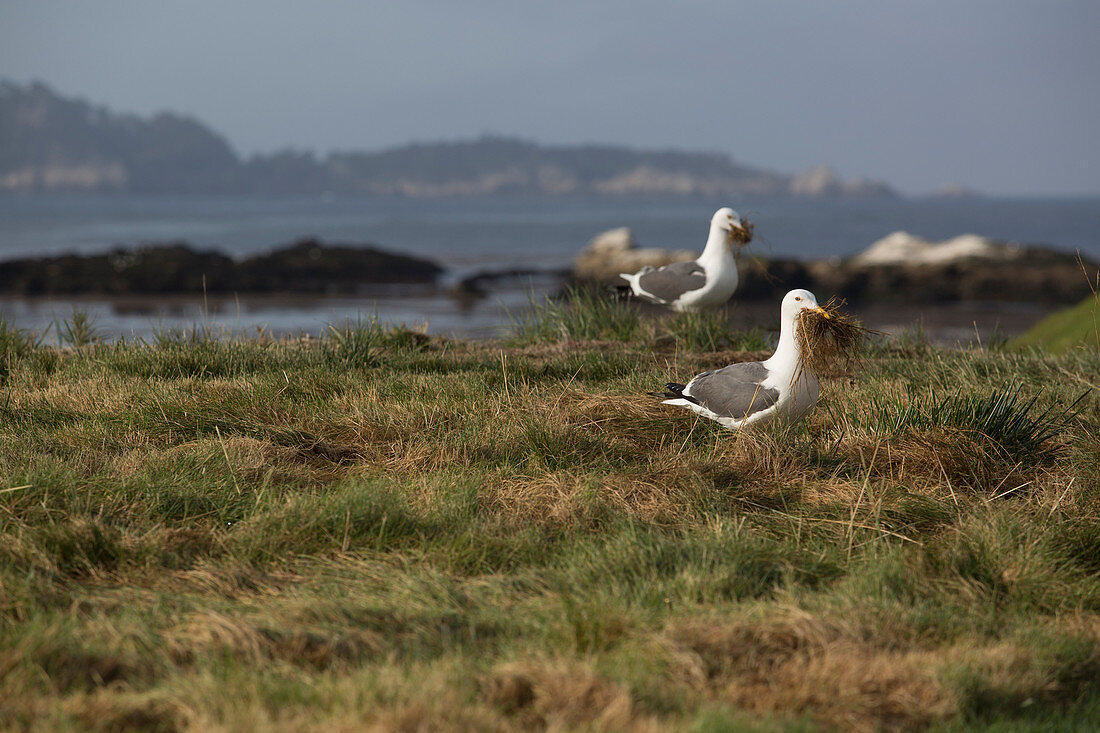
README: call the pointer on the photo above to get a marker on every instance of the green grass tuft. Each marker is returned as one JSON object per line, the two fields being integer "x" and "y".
{"x": 580, "y": 313}
{"x": 14, "y": 346}
{"x": 79, "y": 329}
{"x": 1009, "y": 421}
{"x": 710, "y": 331}
{"x": 586, "y": 314}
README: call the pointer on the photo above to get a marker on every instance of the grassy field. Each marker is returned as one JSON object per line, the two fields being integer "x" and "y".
{"x": 379, "y": 530}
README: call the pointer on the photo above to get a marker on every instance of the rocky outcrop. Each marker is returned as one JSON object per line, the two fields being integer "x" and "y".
{"x": 902, "y": 248}
{"x": 822, "y": 181}
{"x": 307, "y": 266}
{"x": 1034, "y": 276}
{"x": 899, "y": 268}
{"x": 616, "y": 251}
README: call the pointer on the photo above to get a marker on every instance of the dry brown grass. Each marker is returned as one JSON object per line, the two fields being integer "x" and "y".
{"x": 743, "y": 235}
{"x": 562, "y": 695}
{"x": 804, "y": 664}
{"x": 828, "y": 337}
{"x": 115, "y": 711}
{"x": 945, "y": 461}
{"x": 236, "y": 583}
{"x": 445, "y": 714}
{"x": 252, "y": 643}
{"x": 562, "y": 498}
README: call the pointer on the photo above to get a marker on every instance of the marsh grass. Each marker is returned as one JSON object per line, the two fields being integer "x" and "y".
{"x": 14, "y": 345}
{"x": 707, "y": 331}
{"x": 1013, "y": 424}
{"x": 376, "y": 528}
{"x": 589, "y": 314}
{"x": 78, "y": 330}
{"x": 355, "y": 344}
{"x": 578, "y": 313}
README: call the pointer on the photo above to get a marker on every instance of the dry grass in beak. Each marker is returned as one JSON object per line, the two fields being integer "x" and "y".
{"x": 825, "y": 335}
{"x": 742, "y": 235}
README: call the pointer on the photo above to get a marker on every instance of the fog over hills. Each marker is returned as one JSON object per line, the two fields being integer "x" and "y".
{"x": 52, "y": 143}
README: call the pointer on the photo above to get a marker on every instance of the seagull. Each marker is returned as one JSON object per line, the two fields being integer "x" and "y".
{"x": 691, "y": 286}
{"x": 756, "y": 392}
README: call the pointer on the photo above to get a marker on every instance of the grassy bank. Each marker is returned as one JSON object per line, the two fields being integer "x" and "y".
{"x": 379, "y": 529}
{"x": 1072, "y": 328}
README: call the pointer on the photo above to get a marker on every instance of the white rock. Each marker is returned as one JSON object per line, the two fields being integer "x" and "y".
{"x": 615, "y": 251}
{"x": 902, "y": 248}
{"x": 824, "y": 181}
{"x": 819, "y": 181}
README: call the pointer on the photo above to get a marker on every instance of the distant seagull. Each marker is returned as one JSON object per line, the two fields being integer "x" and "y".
{"x": 702, "y": 283}
{"x": 756, "y": 392}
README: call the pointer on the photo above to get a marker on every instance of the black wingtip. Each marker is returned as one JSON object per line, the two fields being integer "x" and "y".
{"x": 620, "y": 292}
{"x": 675, "y": 392}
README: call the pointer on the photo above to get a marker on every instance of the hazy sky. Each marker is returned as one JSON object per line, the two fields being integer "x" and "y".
{"x": 999, "y": 95}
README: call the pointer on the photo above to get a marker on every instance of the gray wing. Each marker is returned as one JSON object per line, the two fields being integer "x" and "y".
{"x": 671, "y": 281}
{"x": 734, "y": 391}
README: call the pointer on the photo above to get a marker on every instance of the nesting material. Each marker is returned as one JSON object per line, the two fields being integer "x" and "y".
{"x": 827, "y": 336}
{"x": 743, "y": 235}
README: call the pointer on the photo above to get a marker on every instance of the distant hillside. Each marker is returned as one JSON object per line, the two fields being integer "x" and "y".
{"x": 51, "y": 143}
{"x": 48, "y": 143}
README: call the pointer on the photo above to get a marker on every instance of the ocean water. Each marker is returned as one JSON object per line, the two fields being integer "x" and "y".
{"x": 466, "y": 236}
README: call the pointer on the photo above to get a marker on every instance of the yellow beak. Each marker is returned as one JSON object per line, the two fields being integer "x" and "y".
{"x": 824, "y": 313}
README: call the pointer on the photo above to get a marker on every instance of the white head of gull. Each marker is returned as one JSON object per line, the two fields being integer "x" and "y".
{"x": 702, "y": 283}
{"x": 756, "y": 392}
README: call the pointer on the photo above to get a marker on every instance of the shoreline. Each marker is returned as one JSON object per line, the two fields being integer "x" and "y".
{"x": 439, "y": 313}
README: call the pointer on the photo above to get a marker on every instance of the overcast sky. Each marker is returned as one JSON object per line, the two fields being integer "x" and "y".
{"x": 999, "y": 95}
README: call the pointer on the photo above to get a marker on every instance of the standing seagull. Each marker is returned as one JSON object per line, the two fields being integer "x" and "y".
{"x": 756, "y": 392}
{"x": 707, "y": 281}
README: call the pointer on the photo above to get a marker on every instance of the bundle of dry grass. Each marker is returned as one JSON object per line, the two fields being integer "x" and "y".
{"x": 827, "y": 336}
{"x": 743, "y": 235}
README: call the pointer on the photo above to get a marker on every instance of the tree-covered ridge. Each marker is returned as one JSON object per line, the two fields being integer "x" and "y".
{"x": 52, "y": 143}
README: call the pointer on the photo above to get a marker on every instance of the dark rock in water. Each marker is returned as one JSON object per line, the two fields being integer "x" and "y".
{"x": 307, "y": 266}
{"x": 770, "y": 280}
{"x": 1035, "y": 276}
{"x": 474, "y": 287}
{"x": 171, "y": 268}
{"x": 479, "y": 283}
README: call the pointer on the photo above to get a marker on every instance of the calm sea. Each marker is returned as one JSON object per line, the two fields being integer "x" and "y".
{"x": 468, "y": 235}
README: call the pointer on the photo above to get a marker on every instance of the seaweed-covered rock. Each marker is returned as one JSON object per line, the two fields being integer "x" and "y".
{"x": 171, "y": 268}
{"x": 1032, "y": 275}
{"x": 307, "y": 266}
